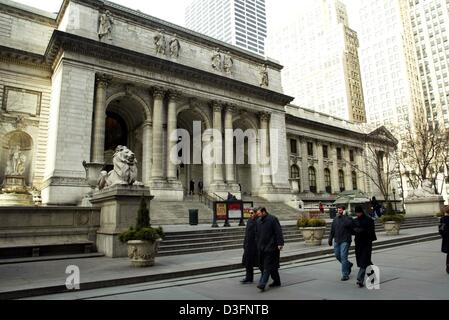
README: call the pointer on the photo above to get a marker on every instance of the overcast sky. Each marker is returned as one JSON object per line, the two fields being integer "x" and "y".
{"x": 173, "y": 10}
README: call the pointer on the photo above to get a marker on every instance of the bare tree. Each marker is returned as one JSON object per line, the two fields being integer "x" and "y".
{"x": 424, "y": 153}
{"x": 381, "y": 162}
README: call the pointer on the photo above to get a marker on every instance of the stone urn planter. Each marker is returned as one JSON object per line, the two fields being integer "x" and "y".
{"x": 313, "y": 235}
{"x": 392, "y": 228}
{"x": 142, "y": 253}
{"x": 392, "y": 223}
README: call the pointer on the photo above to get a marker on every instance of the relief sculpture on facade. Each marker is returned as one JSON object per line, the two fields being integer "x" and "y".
{"x": 105, "y": 25}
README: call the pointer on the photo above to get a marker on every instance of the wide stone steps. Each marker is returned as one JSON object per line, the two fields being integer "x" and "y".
{"x": 232, "y": 238}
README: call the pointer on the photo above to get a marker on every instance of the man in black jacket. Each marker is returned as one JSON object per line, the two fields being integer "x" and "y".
{"x": 249, "y": 259}
{"x": 365, "y": 234}
{"x": 270, "y": 242}
{"x": 341, "y": 231}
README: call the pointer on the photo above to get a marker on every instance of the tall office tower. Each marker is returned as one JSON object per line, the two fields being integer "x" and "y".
{"x": 430, "y": 23}
{"x": 238, "y": 22}
{"x": 319, "y": 53}
{"x": 390, "y": 74}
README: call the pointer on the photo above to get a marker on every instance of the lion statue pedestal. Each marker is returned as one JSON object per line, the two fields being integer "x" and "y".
{"x": 119, "y": 196}
{"x": 423, "y": 201}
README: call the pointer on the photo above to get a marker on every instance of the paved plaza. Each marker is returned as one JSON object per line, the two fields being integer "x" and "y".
{"x": 409, "y": 272}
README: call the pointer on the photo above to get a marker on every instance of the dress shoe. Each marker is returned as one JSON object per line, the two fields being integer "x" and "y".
{"x": 274, "y": 284}
{"x": 261, "y": 287}
{"x": 447, "y": 269}
{"x": 344, "y": 278}
{"x": 360, "y": 284}
{"x": 245, "y": 281}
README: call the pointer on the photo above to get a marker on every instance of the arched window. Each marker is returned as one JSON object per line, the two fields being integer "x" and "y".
{"x": 341, "y": 180}
{"x": 294, "y": 172}
{"x": 327, "y": 180}
{"x": 312, "y": 179}
{"x": 354, "y": 180}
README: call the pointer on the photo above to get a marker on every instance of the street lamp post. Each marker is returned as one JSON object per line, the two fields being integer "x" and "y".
{"x": 394, "y": 199}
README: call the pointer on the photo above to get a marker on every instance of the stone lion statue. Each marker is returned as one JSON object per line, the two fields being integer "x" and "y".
{"x": 424, "y": 191}
{"x": 124, "y": 172}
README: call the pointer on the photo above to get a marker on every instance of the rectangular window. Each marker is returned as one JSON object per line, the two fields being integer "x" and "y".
{"x": 310, "y": 149}
{"x": 293, "y": 146}
{"x": 351, "y": 155}
{"x": 339, "y": 154}
{"x": 325, "y": 153}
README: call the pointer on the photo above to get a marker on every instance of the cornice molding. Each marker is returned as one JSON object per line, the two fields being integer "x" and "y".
{"x": 32, "y": 16}
{"x": 20, "y": 57}
{"x": 97, "y": 49}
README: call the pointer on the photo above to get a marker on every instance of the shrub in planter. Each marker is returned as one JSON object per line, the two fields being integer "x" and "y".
{"x": 312, "y": 230}
{"x": 392, "y": 223}
{"x": 143, "y": 240}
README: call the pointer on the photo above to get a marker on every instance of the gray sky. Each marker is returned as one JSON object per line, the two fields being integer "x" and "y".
{"x": 173, "y": 10}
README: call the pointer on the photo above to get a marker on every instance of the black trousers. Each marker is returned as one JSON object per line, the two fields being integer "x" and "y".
{"x": 447, "y": 259}
{"x": 249, "y": 273}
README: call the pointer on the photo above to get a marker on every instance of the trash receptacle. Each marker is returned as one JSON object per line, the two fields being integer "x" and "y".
{"x": 193, "y": 217}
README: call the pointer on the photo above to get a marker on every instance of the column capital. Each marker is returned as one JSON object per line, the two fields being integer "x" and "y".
{"x": 158, "y": 92}
{"x": 103, "y": 79}
{"x": 147, "y": 123}
{"x": 230, "y": 108}
{"x": 217, "y": 106}
{"x": 264, "y": 116}
{"x": 174, "y": 95}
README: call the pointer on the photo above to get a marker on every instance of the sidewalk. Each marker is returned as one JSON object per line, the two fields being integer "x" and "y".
{"x": 46, "y": 277}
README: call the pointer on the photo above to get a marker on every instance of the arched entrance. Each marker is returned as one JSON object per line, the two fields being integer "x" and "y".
{"x": 125, "y": 117}
{"x": 193, "y": 122}
{"x": 245, "y": 156}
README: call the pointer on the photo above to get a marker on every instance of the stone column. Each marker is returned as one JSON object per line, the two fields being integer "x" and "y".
{"x": 334, "y": 170}
{"x": 348, "y": 169}
{"x": 99, "y": 118}
{"x": 229, "y": 145}
{"x": 265, "y": 149}
{"x": 304, "y": 167}
{"x": 218, "y": 143}
{"x": 360, "y": 176}
{"x": 146, "y": 152}
{"x": 157, "y": 166}
{"x": 320, "y": 185}
{"x": 171, "y": 127}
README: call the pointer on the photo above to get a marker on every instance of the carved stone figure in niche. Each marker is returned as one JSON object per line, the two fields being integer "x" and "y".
{"x": 216, "y": 60}
{"x": 174, "y": 47}
{"x": 264, "y": 76}
{"x": 228, "y": 63}
{"x": 124, "y": 172}
{"x": 160, "y": 42}
{"x": 105, "y": 25}
{"x": 16, "y": 162}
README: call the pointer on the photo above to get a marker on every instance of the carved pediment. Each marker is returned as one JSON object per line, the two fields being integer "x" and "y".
{"x": 382, "y": 135}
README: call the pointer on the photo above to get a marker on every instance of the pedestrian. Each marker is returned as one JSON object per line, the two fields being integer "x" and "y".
{"x": 321, "y": 208}
{"x": 249, "y": 259}
{"x": 192, "y": 187}
{"x": 270, "y": 242}
{"x": 444, "y": 232}
{"x": 365, "y": 234}
{"x": 340, "y": 234}
{"x": 375, "y": 207}
{"x": 200, "y": 189}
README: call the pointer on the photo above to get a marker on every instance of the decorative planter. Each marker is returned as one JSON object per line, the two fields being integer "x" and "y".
{"x": 392, "y": 228}
{"x": 313, "y": 235}
{"x": 142, "y": 253}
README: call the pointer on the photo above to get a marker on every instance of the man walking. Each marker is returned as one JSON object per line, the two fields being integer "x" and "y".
{"x": 270, "y": 242}
{"x": 250, "y": 247}
{"x": 365, "y": 234}
{"x": 341, "y": 234}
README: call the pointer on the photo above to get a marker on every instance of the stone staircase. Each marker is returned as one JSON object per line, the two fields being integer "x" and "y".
{"x": 177, "y": 213}
{"x": 280, "y": 209}
{"x": 187, "y": 242}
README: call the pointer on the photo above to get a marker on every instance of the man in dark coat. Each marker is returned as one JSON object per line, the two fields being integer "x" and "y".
{"x": 250, "y": 248}
{"x": 270, "y": 242}
{"x": 341, "y": 233}
{"x": 365, "y": 234}
{"x": 444, "y": 232}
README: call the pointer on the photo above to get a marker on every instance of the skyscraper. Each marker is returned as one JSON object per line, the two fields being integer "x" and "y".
{"x": 238, "y": 22}
{"x": 430, "y": 23}
{"x": 319, "y": 53}
{"x": 390, "y": 75}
